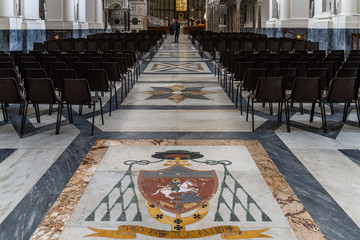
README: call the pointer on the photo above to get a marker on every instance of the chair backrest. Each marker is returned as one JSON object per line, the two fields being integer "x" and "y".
{"x": 251, "y": 78}
{"x": 301, "y": 67}
{"x": 259, "y": 61}
{"x": 335, "y": 59}
{"x": 241, "y": 68}
{"x": 285, "y": 61}
{"x": 122, "y": 64}
{"x": 112, "y": 69}
{"x": 306, "y": 89}
{"x": 351, "y": 64}
{"x": 9, "y": 91}
{"x": 343, "y": 90}
{"x": 70, "y": 61}
{"x": 96, "y": 61}
{"x": 310, "y": 60}
{"x": 322, "y": 73}
{"x": 97, "y": 79}
{"x": 271, "y": 68}
{"x": 40, "y": 91}
{"x": 330, "y": 66}
{"x": 35, "y": 73}
{"x": 270, "y": 89}
{"x": 61, "y": 74}
{"x": 6, "y": 59}
{"x": 348, "y": 72}
{"x": 81, "y": 67}
{"x": 52, "y": 66}
{"x": 7, "y": 65}
{"x": 46, "y": 60}
{"x": 76, "y": 91}
{"x": 288, "y": 75}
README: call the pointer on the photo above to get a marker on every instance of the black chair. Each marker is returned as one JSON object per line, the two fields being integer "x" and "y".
{"x": 99, "y": 82}
{"x": 7, "y": 65}
{"x": 70, "y": 61}
{"x": 52, "y": 66}
{"x": 81, "y": 67}
{"x": 60, "y": 75}
{"x": 288, "y": 75}
{"x": 344, "y": 90}
{"x": 41, "y": 91}
{"x": 271, "y": 68}
{"x": 301, "y": 67}
{"x": 349, "y": 64}
{"x": 322, "y": 74}
{"x": 249, "y": 83}
{"x": 96, "y": 62}
{"x": 269, "y": 90}
{"x": 77, "y": 92}
{"x": 239, "y": 74}
{"x": 348, "y": 72}
{"x": 308, "y": 90}
{"x": 33, "y": 73}
{"x": 10, "y": 93}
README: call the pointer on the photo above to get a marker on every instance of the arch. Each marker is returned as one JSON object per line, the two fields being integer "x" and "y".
{"x": 114, "y": 4}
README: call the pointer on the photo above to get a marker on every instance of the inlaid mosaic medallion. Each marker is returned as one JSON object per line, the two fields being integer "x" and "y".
{"x": 174, "y": 191}
{"x": 177, "y": 67}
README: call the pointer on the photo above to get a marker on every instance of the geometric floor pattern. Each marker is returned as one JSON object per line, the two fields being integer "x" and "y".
{"x": 298, "y": 185}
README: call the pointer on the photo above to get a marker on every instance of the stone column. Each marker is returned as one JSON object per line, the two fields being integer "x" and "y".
{"x": 253, "y": 8}
{"x": 69, "y": 10}
{"x": 284, "y": 9}
{"x": 6, "y": 8}
{"x": 237, "y": 16}
{"x": 349, "y": 7}
{"x": 259, "y": 18}
{"x": 99, "y": 8}
{"x": 216, "y": 17}
{"x": 273, "y": 11}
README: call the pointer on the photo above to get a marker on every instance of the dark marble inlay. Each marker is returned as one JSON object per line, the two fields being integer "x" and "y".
{"x": 352, "y": 154}
{"x": 5, "y": 153}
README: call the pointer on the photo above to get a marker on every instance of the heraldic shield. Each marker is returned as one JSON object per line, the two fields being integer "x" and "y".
{"x": 178, "y": 189}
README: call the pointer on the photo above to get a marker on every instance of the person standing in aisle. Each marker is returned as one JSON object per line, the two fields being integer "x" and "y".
{"x": 177, "y": 31}
{"x": 173, "y": 30}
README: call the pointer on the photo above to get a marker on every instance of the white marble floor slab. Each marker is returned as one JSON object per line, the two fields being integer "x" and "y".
{"x": 20, "y": 172}
{"x": 177, "y": 67}
{"x": 335, "y": 173}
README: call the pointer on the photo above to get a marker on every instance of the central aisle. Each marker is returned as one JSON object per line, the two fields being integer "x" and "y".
{"x": 177, "y": 92}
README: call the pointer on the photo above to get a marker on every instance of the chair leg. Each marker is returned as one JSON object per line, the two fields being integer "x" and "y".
{"x": 322, "y": 116}
{"x": 116, "y": 98}
{"x": 301, "y": 105}
{"x": 247, "y": 108}
{"x": 80, "y": 110}
{"x": 3, "y": 107}
{"x": 110, "y": 102}
{"x": 241, "y": 104}
{"x": 287, "y": 116}
{"x": 345, "y": 112}
{"x": 237, "y": 96}
{"x": 37, "y": 113}
{"x": 252, "y": 115}
{"x": 312, "y": 112}
{"x": 271, "y": 109}
{"x": 323, "y": 109}
{"x": 69, "y": 113}
{"x": 58, "y": 119}
{"x": 23, "y": 118}
{"x": 93, "y": 121}
{"x": 280, "y": 111}
{"x": 101, "y": 111}
{"x": 50, "y": 109}
{"x": 332, "y": 108}
{"x": 357, "y": 112}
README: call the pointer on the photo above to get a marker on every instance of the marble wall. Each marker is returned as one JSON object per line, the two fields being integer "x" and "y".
{"x": 329, "y": 39}
{"x": 14, "y": 40}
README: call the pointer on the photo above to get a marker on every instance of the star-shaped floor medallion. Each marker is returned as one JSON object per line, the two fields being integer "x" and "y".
{"x": 177, "y": 93}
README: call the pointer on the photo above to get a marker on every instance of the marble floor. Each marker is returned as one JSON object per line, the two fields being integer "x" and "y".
{"x": 299, "y": 185}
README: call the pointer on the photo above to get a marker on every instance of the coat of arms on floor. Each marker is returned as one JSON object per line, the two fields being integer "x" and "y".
{"x": 179, "y": 192}
{"x": 184, "y": 192}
